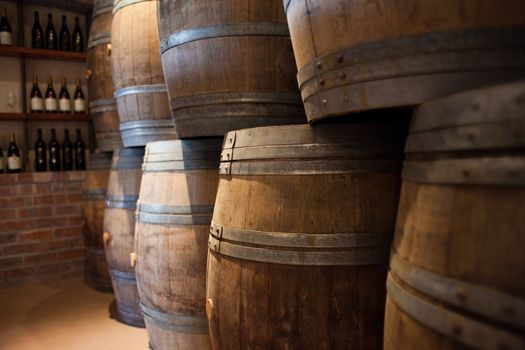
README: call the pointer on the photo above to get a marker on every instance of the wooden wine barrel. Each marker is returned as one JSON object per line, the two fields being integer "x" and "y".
{"x": 301, "y": 232}
{"x": 102, "y": 105}
{"x": 172, "y": 240}
{"x": 228, "y": 65}
{"x": 456, "y": 272}
{"x": 140, "y": 91}
{"x": 361, "y": 55}
{"x": 119, "y": 230}
{"x": 96, "y": 272}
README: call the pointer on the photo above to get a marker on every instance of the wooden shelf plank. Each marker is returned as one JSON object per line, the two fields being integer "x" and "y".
{"x": 45, "y": 117}
{"x": 14, "y": 51}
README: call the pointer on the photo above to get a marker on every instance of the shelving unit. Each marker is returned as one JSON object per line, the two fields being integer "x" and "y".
{"x": 25, "y": 120}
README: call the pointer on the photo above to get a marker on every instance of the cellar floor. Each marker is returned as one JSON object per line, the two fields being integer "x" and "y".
{"x": 63, "y": 314}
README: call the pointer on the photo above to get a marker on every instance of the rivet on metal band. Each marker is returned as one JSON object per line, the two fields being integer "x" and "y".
{"x": 140, "y": 89}
{"x": 503, "y": 171}
{"x": 476, "y": 299}
{"x": 342, "y": 249}
{"x": 224, "y": 30}
{"x": 174, "y": 214}
{"x": 120, "y": 4}
{"x": 468, "y": 331}
{"x": 175, "y": 322}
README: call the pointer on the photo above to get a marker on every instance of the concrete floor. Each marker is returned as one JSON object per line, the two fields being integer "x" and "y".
{"x": 63, "y": 315}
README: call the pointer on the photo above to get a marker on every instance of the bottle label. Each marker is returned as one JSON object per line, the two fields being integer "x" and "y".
{"x": 51, "y": 104}
{"x": 80, "y": 105}
{"x": 6, "y": 38}
{"x": 14, "y": 163}
{"x": 37, "y": 104}
{"x": 64, "y": 105}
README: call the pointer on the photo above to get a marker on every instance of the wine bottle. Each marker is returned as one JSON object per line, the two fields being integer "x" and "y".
{"x": 14, "y": 164}
{"x": 78, "y": 39}
{"x": 51, "y": 34}
{"x": 67, "y": 152}
{"x": 54, "y": 152}
{"x": 80, "y": 153}
{"x": 6, "y": 34}
{"x": 37, "y": 103}
{"x": 1, "y": 161}
{"x": 80, "y": 102}
{"x": 64, "y": 39}
{"x": 40, "y": 153}
{"x": 50, "y": 97}
{"x": 64, "y": 101}
{"x": 37, "y": 34}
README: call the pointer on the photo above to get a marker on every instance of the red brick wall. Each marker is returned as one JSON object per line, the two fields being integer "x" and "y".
{"x": 40, "y": 226}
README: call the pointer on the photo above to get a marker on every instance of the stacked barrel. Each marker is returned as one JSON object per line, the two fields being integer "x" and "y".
{"x": 283, "y": 238}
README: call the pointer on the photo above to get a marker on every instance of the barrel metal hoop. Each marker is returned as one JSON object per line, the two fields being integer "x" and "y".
{"x": 122, "y": 201}
{"x": 468, "y": 331}
{"x": 124, "y": 3}
{"x": 228, "y": 98}
{"x": 286, "y": 4}
{"x": 140, "y": 89}
{"x": 98, "y": 193}
{"x": 102, "y": 10}
{"x": 99, "y": 39}
{"x": 128, "y": 164}
{"x": 224, "y": 30}
{"x": 176, "y": 322}
{"x": 309, "y": 166}
{"x": 174, "y": 214}
{"x": 323, "y": 249}
{"x": 399, "y": 49}
{"x": 182, "y": 165}
{"x": 123, "y": 275}
{"x": 504, "y": 171}
{"x": 504, "y": 134}
{"x": 103, "y": 105}
{"x": 477, "y": 299}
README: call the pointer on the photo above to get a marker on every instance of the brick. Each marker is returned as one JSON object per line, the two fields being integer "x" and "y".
{"x": 4, "y": 202}
{"x": 24, "y": 189}
{"x": 24, "y": 248}
{"x": 8, "y": 214}
{"x": 50, "y": 222}
{"x": 21, "y": 272}
{"x": 41, "y": 188}
{"x": 60, "y": 198}
{"x": 76, "y": 220}
{"x": 8, "y": 190}
{"x": 62, "y": 245}
{"x": 67, "y": 210}
{"x": 71, "y": 231}
{"x": 12, "y": 226}
{"x": 6, "y": 263}
{"x": 53, "y": 268}
{"x": 8, "y": 179}
{"x": 21, "y": 201}
{"x": 40, "y": 235}
{"x": 59, "y": 177}
{"x": 72, "y": 254}
{"x": 75, "y": 176}
{"x": 75, "y": 197}
{"x": 44, "y": 200}
{"x": 75, "y": 186}
{"x": 59, "y": 187}
{"x": 35, "y": 212}
{"x": 25, "y": 178}
{"x": 39, "y": 259}
{"x": 43, "y": 177}
{"x": 7, "y": 238}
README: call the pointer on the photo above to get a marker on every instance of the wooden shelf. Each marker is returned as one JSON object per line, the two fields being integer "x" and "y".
{"x": 44, "y": 117}
{"x": 16, "y": 51}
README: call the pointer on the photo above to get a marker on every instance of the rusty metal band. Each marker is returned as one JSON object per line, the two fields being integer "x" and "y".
{"x": 103, "y": 105}
{"x": 176, "y": 322}
{"x": 99, "y": 193}
{"x": 504, "y": 171}
{"x": 121, "y": 4}
{"x": 476, "y": 299}
{"x": 140, "y": 89}
{"x": 504, "y": 134}
{"x": 174, "y": 214}
{"x": 120, "y": 275}
{"x": 128, "y": 201}
{"x": 434, "y": 53}
{"x": 466, "y": 330}
{"x": 99, "y": 39}
{"x": 102, "y": 10}
{"x": 300, "y": 248}
{"x": 309, "y": 167}
{"x": 224, "y": 30}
